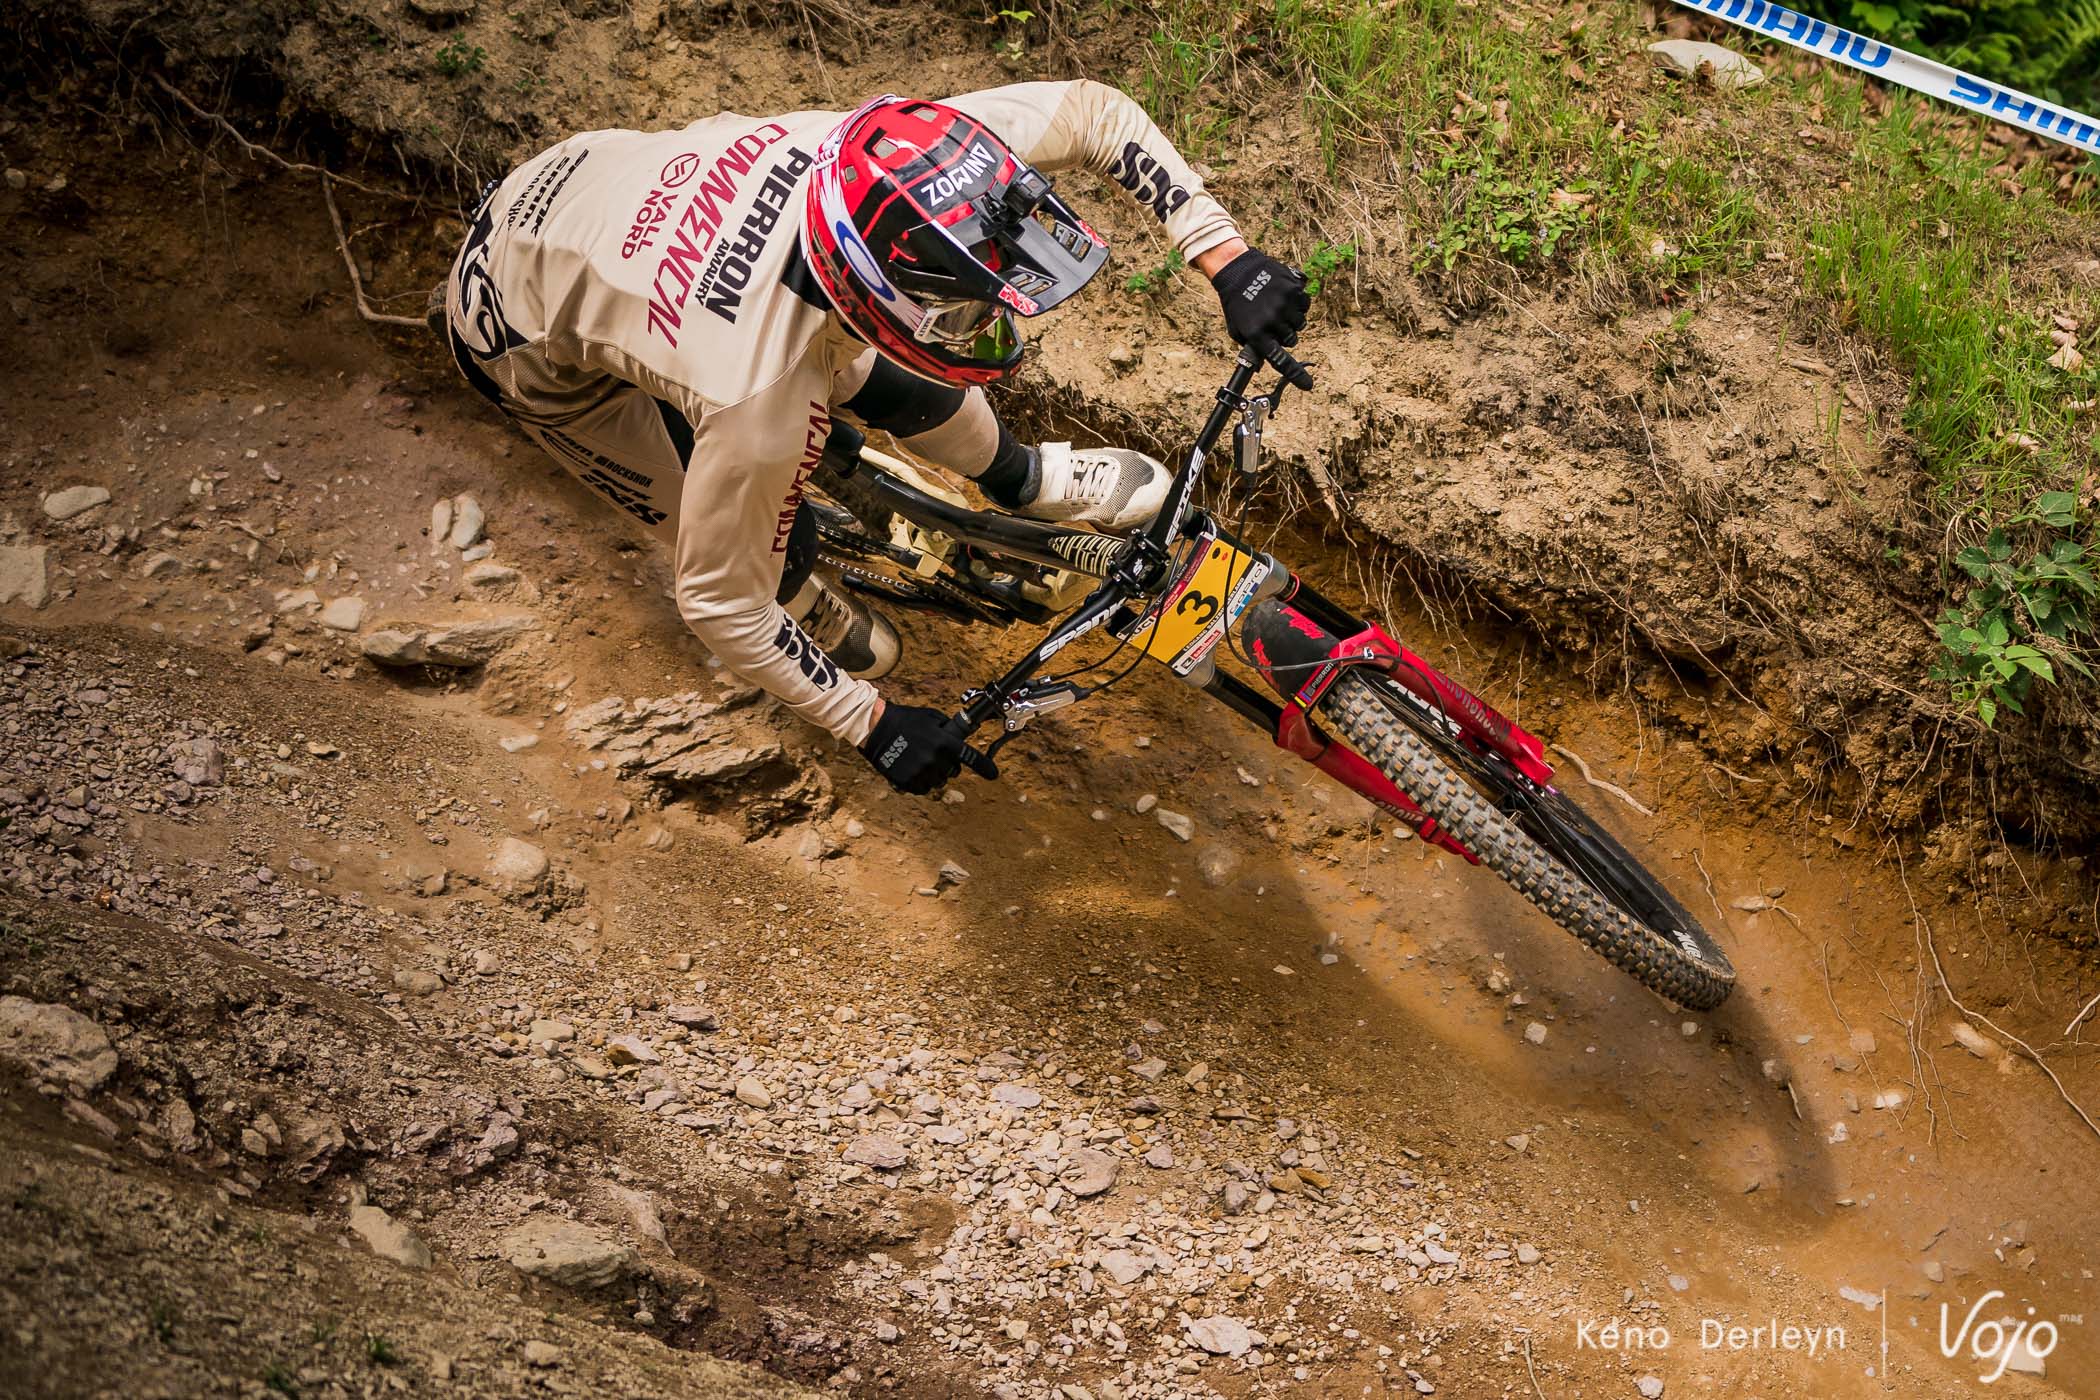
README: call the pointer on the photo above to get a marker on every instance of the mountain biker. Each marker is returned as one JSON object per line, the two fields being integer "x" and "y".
{"x": 676, "y": 316}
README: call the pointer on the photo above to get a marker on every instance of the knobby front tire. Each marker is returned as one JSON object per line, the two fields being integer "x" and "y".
{"x": 1370, "y": 726}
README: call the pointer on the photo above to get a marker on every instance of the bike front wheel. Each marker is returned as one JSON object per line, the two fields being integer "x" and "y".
{"x": 1545, "y": 846}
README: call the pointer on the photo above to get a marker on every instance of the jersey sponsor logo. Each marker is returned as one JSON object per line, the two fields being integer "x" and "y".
{"x": 678, "y": 169}
{"x": 656, "y": 207}
{"x": 960, "y": 180}
{"x": 481, "y": 325}
{"x": 812, "y": 458}
{"x": 794, "y": 644}
{"x": 602, "y": 474}
{"x": 688, "y": 238}
{"x": 1144, "y": 177}
{"x": 720, "y": 287}
{"x": 536, "y": 201}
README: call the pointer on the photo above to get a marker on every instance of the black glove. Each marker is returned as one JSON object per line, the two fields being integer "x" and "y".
{"x": 914, "y": 748}
{"x": 1265, "y": 301}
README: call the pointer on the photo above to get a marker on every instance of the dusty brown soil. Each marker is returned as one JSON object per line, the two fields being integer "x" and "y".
{"x": 315, "y": 939}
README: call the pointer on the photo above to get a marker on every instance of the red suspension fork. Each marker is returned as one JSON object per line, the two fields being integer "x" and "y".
{"x": 1294, "y": 732}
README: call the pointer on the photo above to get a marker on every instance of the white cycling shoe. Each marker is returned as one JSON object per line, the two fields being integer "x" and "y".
{"x": 1111, "y": 488}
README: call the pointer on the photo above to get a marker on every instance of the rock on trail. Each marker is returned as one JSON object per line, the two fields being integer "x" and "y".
{"x": 56, "y": 1044}
{"x": 1221, "y": 1336}
{"x": 69, "y": 501}
{"x": 389, "y": 1238}
{"x": 25, "y": 575}
{"x": 461, "y": 645}
{"x": 517, "y": 869}
{"x": 567, "y": 1253}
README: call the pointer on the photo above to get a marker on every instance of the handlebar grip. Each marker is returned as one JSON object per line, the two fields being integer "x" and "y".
{"x": 980, "y": 763}
{"x": 1289, "y": 366}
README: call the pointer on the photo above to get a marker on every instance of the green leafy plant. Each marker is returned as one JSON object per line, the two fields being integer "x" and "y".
{"x": 1517, "y": 220}
{"x": 277, "y": 1378}
{"x": 1323, "y": 262}
{"x": 1156, "y": 280}
{"x": 1016, "y": 43}
{"x": 2028, "y": 611}
{"x": 456, "y": 57}
{"x": 380, "y": 1350}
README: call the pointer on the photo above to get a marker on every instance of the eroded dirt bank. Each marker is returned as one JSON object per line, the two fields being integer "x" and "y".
{"x": 1263, "y": 1112}
{"x": 1709, "y": 499}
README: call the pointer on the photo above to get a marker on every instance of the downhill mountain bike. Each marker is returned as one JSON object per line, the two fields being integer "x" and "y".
{"x": 1185, "y": 588}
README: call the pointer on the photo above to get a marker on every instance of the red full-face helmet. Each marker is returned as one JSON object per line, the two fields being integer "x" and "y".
{"x": 929, "y": 235}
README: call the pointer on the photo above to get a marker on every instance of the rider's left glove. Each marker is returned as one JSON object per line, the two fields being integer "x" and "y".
{"x": 914, "y": 747}
{"x": 1265, "y": 301}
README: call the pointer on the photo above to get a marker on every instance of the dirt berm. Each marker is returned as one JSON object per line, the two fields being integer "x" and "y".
{"x": 1713, "y": 509}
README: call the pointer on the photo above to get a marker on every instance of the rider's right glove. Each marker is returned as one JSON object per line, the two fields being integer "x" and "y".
{"x": 914, "y": 748}
{"x": 1264, "y": 300}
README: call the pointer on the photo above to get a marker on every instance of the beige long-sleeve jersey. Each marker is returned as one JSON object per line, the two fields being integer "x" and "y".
{"x": 656, "y": 259}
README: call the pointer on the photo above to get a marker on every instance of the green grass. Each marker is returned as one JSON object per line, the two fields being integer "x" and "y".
{"x": 1553, "y": 152}
{"x": 1926, "y": 253}
{"x": 1922, "y": 254}
{"x": 1498, "y": 142}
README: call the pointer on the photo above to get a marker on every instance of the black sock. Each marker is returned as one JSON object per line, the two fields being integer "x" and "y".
{"x": 1013, "y": 478}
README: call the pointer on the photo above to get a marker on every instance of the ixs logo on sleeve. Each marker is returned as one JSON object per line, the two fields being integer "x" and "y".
{"x": 794, "y": 644}
{"x": 481, "y": 325}
{"x": 1145, "y": 178}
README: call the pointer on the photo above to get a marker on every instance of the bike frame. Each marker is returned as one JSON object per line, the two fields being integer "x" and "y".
{"x": 1136, "y": 571}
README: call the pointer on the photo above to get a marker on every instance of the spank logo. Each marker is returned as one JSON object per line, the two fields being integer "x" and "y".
{"x": 1998, "y": 1344}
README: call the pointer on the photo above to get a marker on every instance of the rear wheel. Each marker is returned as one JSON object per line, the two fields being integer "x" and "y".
{"x": 1546, "y": 847}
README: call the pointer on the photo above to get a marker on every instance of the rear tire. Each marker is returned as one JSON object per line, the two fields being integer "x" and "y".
{"x": 1682, "y": 964}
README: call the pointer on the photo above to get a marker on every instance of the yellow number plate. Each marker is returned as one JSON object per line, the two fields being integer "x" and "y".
{"x": 1195, "y": 612}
